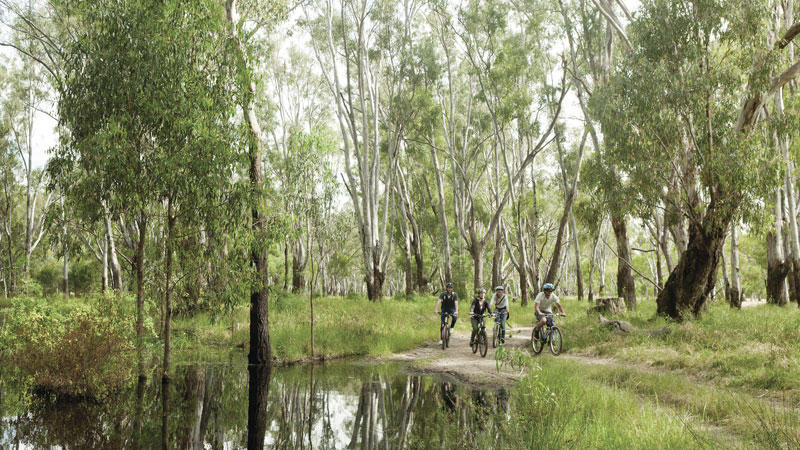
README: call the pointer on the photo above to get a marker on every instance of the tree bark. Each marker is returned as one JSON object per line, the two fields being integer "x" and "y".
{"x": 736, "y": 286}
{"x": 626, "y": 287}
{"x": 777, "y": 268}
{"x": 694, "y": 277}
{"x": 116, "y": 268}
{"x": 104, "y": 281}
{"x": 576, "y": 246}
{"x": 168, "y": 291}
{"x": 138, "y": 262}
{"x": 448, "y": 271}
{"x": 497, "y": 259}
{"x": 299, "y": 262}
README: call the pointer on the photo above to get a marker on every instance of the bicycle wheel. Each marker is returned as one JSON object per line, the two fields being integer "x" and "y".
{"x": 475, "y": 344}
{"x": 495, "y": 335}
{"x": 536, "y": 344}
{"x": 555, "y": 340}
{"x": 447, "y": 336}
{"x": 444, "y": 336}
{"x": 483, "y": 343}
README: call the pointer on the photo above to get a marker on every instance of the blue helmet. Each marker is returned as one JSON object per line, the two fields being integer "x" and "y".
{"x": 548, "y": 287}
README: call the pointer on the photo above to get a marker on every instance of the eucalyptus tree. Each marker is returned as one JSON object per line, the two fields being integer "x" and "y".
{"x": 130, "y": 105}
{"x": 781, "y": 263}
{"x": 347, "y": 43}
{"x": 25, "y": 96}
{"x": 682, "y": 93}
{"x": 301, "y": 102}
{"x": 411, "y": 69}
{"x": 591, "y": 60}
{"x": 484, "y": 93}
{"x": 246, "y": 20}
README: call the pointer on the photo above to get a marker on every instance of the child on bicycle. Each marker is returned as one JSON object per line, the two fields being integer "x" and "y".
{"x": 543, "y": 305}
{"x": 448, "y": 300}
{"x": 479, "y": 307}
{"x": 500, "y": 303}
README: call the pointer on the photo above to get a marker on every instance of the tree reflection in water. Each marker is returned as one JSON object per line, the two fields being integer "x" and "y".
{"x": 332, "y": 406}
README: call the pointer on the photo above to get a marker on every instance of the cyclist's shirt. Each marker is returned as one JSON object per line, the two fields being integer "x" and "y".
{"x": 479, "y": 309}
{"x": 500, "y": 303}
{"x": 448, "y": 301}
{"x": 546, "y": 304}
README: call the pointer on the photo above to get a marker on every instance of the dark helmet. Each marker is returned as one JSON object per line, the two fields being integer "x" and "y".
{"x": 448, "y": 285}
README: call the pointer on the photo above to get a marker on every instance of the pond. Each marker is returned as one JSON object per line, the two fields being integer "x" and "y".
{"x": 230, "y": 406}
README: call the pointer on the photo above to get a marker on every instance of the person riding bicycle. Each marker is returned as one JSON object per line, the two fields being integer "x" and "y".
{"x": 543, "y": 305}
{"x": 448, "y": 300}
{"x": 500, "y": 304}
{"x": 479, "y": 307}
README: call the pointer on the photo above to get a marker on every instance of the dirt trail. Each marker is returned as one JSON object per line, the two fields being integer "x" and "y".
{"x": 459, "y": 362}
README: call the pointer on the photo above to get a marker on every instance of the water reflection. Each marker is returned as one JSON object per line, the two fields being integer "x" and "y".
{"x": 333, "y": 406}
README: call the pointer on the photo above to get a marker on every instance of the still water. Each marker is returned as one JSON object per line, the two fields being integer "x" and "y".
{"x": 230, "y": 406}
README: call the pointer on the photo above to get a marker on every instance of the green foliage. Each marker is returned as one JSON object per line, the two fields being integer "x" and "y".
{"x": 75, "y": 348}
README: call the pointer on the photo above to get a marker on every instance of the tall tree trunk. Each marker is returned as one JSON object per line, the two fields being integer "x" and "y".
{"x": 116, "y": 268}
{"x": 477, "y": 251}
{"x": 168, "y": 290}
{"x": 726, "y": 282}
{"x": 577, "y": 248}
{"x": 105, "y": 264}
{"x": 688, "y": 286}
{"x": 260, "y": 350}
{"x": 448, "y": 271}
{"x": 497, "y": 259}
{"x": 736, "y": 286}
{"x": 626, "y": 287}
{"x": 571, "y": 192}
{"x": 138, "y": 262}
{"x": 777, "y": 268}
{"x": 65, "y": 249}
{"x": 286, "y": 265}
{"x": 299, "y": 262}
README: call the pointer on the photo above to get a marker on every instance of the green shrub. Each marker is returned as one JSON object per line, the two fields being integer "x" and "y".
{"x": 71, "y": 348}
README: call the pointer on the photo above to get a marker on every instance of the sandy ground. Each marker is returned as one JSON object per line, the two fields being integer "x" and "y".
{"x": 459, "y": 362}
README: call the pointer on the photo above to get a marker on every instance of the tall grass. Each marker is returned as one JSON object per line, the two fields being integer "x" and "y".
{"x": 555, "y": 407}
{"x": 754, "y": 348}
{"x": 342, "y": 326}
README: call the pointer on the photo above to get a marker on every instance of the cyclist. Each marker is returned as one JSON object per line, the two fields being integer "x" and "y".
{"x": 500, "y": 304}
{"x": 543, "y": 305}
{"x": 448, "y": 300}
{"x": 479, "y": 307}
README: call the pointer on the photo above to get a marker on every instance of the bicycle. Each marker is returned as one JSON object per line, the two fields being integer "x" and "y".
{"x": 445, "y": 330}
{"x": 481, "y": 341}
{"x": 549, "y": 333}
{"x": 497, "y": 329}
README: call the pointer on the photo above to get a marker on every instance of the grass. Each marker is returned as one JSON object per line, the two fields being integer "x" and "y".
{"x": 557, "y": 407}
{"x": 342, "y": 327}
{"x": 754, "y": 349}
{"x": 733, "y": 373}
